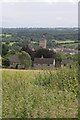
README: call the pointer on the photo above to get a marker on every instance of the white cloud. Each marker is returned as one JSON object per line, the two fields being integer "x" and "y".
{"x": 49, "y": 1}
{"x": 39, "y": 14}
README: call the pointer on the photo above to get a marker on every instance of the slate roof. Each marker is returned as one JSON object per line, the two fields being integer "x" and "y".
{"x": 14, "y": 59}
{"x": 43, "y": 60}
{"x": 66, "y": 61}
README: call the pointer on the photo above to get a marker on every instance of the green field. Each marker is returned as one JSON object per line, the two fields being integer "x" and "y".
{"x": 40, "y": 94}
{"x": 34, "y": 42}
{"x": 3, "y": 42}
{"x": 10, "y": 44}
{"x": 6, "y": 35}
{"x": 72, "y": 44}
{"x": 64, "y": 41}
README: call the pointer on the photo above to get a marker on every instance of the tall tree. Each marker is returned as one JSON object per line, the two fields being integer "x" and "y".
{"x": 5, "y": 62}
{"x": 45, "y": 53}
{"x": 4, "y": 49}
{"x": 25, "y": 59}
{"x": 58, "y": 59}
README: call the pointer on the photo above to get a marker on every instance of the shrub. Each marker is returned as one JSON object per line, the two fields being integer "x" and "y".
{"x": 5, "y": 62}
{"x": 64, "y": 79}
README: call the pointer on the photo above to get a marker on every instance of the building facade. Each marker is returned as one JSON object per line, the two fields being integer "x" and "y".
{"x": 42, "y": 43}
{"x": 44, "y": 63}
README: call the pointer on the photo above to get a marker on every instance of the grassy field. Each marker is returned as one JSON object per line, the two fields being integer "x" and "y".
{"x": 10, "y": 44}
{"x": 64, "y": 41}
{"x": 6, "y": 35}
{"x": 40, "y": 94}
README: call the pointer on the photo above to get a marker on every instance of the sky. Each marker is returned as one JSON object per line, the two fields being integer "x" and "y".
{"x": 40, "y": 13}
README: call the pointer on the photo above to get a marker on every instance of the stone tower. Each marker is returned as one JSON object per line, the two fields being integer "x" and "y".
{"x": 42, "y": 42}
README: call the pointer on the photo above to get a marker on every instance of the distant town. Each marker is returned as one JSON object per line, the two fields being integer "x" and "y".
{"x": 46, "y": 47}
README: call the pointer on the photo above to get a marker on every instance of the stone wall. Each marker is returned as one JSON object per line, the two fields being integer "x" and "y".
{"x": 43, "y": 66}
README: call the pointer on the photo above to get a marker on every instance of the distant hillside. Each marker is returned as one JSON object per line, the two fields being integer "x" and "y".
{"x": 31, "y": 36}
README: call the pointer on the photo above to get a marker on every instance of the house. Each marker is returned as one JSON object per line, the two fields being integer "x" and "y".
{"x": 14, "y": 61}
{"x": 66, "y": 62}
{"x": 44, "y": 63}
{"x": 42, "y": 58}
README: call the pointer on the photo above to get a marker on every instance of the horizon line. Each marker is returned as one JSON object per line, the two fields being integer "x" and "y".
{"x": 40, "y": 27}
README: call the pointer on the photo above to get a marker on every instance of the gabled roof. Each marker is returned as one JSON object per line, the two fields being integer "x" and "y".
{"x": 43, "y": 60}
{"x": 66, "y": 61}
{"x": 14, "y": 59}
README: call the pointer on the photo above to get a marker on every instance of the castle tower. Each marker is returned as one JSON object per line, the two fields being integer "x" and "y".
{"x": 42, "y": 43}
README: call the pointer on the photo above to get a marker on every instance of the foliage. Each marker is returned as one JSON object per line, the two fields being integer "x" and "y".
{"x": 28, "y": 50}
{"x": 48, "y": 95}
{"x": 58, "y": 59}
{"x": 25, "y": 36}
{"x": 45, "y": 53}
{"x": 4, "y": 49}
{"x": 64, "y": 79}
{"x": 5, "y": 62}
{"x": 14, "y": 49}
{"x": 78, "y": 46}
{"x": 25, "y": 59}
{"x": 75, "y": 57}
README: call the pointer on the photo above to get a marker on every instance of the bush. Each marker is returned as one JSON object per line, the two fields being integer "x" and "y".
{"x": 63, "y": 79}
{"x": 5, "y": 62}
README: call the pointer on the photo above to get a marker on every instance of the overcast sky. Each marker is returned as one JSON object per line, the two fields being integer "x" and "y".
{"x": 40, "y": 14}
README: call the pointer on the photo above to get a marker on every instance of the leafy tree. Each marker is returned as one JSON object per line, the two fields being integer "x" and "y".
{"x": 14, "y": 49}
{"x": 68, "y": 56}
{"x": 45, "y": 53}
{"x": 29, "y": 51}
{"x": 25, "y": 59}
{"x": 4, "y": 49}
{"x": 76, "y": 57}
{"x": 5, "y": 62}
{"x": 26, "y": 49}
{"x": 7, "y": 43}
{"x": 79, "y": 47}
{"x": 58, "y": 59}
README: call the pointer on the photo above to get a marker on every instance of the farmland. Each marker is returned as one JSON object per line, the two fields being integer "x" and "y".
{"x": 40, "y": 94}
{"x": 67, "y": 41}
{"x": 6, "y": 35}
{"x": 32, "y": 36}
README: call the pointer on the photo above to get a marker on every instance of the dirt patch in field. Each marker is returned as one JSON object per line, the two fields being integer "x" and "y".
{"x": 24, "y": 70}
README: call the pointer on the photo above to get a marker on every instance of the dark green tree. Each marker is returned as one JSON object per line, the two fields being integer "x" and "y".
{"x": 45, "y": 53}
{"x": 5, "y": 62}
{"x": 58, "y": 59}
{"x": 4, "y": 49}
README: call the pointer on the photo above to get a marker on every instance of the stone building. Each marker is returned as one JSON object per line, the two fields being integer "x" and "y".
{"x": 44, "y": 63}
{"x": 66, "y": 62}
{"x": 14, "y": 61}
{"x": 42, "y": 43}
